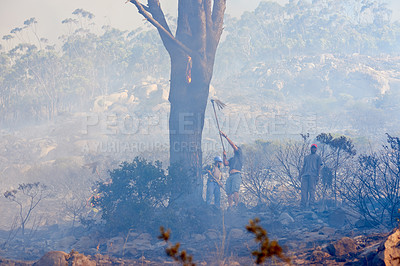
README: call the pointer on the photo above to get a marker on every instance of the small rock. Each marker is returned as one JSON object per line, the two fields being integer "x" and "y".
{"x": 132, "y": 235}
{"x": 212, "y": 234}
{"x": 145, "y": 236}
{"x": 139, "y": 244}
{"x": 327, "y": 231}
{"x": 319, "y": 256}
{"x": 160, "y": 244}
{"x": 286, "y": 219}
{"x": 236, "y": 233}
{"x": 198, "y": 237}
{"x": 309, "y": 215}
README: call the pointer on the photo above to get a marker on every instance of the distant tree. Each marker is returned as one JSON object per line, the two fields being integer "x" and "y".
{"x": 75, "y": 206}
{"x": 27, "y": 197}
{"x": 32, "y": 24}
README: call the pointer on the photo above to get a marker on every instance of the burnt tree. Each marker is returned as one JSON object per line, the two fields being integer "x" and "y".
{"x": 192, "y": 53}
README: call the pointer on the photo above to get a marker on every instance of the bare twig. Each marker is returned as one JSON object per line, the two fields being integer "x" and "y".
{"x": 173, "y": 250}
{"x": 268, "y": 248}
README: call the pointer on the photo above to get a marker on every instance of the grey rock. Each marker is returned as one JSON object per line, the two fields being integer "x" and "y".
{"x": 198, "y": 237}
{"x": 212, "y": 234}
{"x": 236, "y": 233}
{"x": 286, "y": 219}
{"x": 344, "y": 246}
{"x": 327, "y": 231}
{"x": 319, "y": 256}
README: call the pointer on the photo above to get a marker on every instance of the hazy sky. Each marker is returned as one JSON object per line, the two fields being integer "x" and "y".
{"x": 50, "y": 13}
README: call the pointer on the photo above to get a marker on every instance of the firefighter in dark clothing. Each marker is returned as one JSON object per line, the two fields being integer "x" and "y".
{"x": 235, "y": 177}
{"x": 309, "y": 177}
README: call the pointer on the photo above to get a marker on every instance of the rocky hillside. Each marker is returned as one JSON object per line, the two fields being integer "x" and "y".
{"x": 309, "y": 237}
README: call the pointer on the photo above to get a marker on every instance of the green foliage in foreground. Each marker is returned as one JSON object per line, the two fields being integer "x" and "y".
{"x": 135, "y": 190}
{"x": 138, "y": 195}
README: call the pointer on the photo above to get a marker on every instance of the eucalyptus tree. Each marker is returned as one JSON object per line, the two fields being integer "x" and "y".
{"x": 192, "y": 53}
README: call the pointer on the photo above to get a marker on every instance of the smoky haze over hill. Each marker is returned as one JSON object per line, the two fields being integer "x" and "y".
{"x": 72, "y": 112}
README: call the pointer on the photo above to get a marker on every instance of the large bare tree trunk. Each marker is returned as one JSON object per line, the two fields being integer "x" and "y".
{"x": 188, "y": 103}
{"x": 192, "y": 52}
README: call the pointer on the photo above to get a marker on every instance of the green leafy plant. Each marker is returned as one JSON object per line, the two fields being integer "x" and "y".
{"x": 132, "y": 195}
{"x": 140, "y": 194}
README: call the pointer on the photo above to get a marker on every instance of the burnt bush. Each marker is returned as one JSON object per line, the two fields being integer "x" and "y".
{"x": 142, "y": 195}
{"x": 374, "y": 188}
{"x": 132, "y": 195}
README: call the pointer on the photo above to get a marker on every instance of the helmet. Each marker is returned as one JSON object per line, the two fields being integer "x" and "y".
{"x": 314, "y": 145}
{"x": 217, "y": 159}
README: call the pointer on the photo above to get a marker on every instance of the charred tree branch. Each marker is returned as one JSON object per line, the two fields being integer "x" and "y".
{"x": 164, "y": 33}
{"x": 154, "y": 8}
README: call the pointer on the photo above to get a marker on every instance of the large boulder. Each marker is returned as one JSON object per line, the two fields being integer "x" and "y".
{"x": 54, "y": 258}
{"x": 286, "y": 219}
{"x": 388, "y": 252}
{"x": 392, "y": 249}
{"x": 343, "y": 247}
